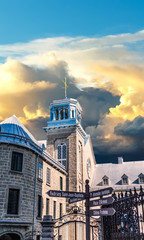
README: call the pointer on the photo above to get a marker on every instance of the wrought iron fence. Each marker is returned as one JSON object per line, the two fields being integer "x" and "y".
{"x": 128, "y": 221}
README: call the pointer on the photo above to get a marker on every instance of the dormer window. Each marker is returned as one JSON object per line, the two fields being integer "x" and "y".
{"x": 105, "y": 181}
{"x": 141, "y": 178}
{"x": 124, "y": 179}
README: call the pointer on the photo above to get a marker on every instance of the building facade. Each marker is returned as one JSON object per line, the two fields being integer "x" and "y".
{"x": 27, "y": 172}
{"x": 121, "y": 176}
{"x": 30, "y": 168}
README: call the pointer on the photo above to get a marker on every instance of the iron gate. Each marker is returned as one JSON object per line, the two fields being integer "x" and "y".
{"x": 72, "y": 227}
{"x": 128, "y": 221}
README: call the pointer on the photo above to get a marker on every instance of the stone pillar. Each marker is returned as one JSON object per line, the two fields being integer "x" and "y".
{"x": 47, "y": 228}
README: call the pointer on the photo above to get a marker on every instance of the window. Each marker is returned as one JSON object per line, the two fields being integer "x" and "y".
{"x": 47, "y": 206}
{"x": 105, "y": 180}
{"x": 61, "y": 113}
{"x": 38, "y": 237}
{"x": 57, "y": 114}
{"x": 61, "y": 153}
{"x": 61, "y": 183}
{"x": 40, "y": 173}
{"x": 60, "y": 209}
{"x": 79, "y": 149}
{"x": 54, "y": 209}
{"x": 124, "y": 179}
{"x": 13, "y": 201}
{"x": 66, "y": 113}
{"x": 141, "y": 178}
{"x": 48, "y": 176}
{"x": 16, "y": 162}
{"x": 72, "y": 113}
{"x": 39, "y": 206}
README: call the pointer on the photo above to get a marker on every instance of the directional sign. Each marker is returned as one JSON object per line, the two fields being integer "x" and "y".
{"x": 101, "y": 192}
{"x": 65, "y": 194}
{"x": 102, "y": 201}
{"x": 102, "y": 212}
{"x": 73, "y": 200}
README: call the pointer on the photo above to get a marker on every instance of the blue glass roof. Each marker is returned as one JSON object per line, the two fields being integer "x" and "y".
{"x": 12, "y": 130}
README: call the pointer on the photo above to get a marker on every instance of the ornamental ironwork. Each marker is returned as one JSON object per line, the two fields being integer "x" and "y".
{"x": 128, "y": 221}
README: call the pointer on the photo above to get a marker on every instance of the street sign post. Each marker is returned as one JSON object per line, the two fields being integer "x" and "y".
{"x": 66, "y": 194}
{"x": 102, "y": 212}
{"x": 102, "y": 201}
{"x": 79, "y": 196}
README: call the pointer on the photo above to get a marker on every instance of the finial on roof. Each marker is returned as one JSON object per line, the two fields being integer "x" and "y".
{"x": 66, "y": 86}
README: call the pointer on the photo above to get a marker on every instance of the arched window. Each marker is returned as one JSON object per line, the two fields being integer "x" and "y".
{"x": 61, "y": 153}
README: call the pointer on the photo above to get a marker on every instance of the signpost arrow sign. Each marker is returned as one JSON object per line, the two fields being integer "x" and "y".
{"x": 102, "y": 212}
{"x": 73, "y": 200}
{"x": 102, "y": 201}
{"x": 101, "y": 192}
{"x": 66, "y": 194}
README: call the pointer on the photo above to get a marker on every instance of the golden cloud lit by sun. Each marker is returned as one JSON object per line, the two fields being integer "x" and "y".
{"x": 104, "y": 63}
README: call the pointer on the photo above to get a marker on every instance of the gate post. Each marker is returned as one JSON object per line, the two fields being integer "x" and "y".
{"x": 47, "y": 228}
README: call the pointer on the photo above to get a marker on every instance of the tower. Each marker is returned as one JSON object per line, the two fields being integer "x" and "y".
{"x": 68, "y": 143}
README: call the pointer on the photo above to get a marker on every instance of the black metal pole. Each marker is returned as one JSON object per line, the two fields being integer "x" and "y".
{"x": 87, "y": 210}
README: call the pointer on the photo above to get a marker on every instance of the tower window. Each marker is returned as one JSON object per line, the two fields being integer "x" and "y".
{"x": 13, "y": 201}
{"x": 66, "y": 113}
{"x": 61, "y": 113}
{"x": 57, "y": 114}
{"x": 61, "y": 153}
{"x": 72, "y": 113}
{"x": 16, "y": 163}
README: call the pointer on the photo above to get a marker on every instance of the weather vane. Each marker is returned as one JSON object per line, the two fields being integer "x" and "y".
{"x": 66, "y": 86}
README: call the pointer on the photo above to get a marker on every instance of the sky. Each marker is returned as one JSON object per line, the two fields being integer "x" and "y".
{"x": 98, "y": 45}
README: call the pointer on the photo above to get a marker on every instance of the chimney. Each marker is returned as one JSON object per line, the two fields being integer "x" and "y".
{"x": 120, "y": 160}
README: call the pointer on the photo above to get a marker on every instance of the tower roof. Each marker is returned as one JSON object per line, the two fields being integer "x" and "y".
{"x": 12, "y": 125}
{"x": 64, "y": 113}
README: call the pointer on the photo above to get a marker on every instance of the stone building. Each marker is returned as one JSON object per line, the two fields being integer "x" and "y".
{"x": 69, "y": 144}
{"x": 121, "y": 176}
{"x": 29, "y": 168}
{"x": 27, "y": 172}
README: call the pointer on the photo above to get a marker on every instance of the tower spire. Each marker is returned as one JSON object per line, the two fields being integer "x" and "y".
{"x": 66, "y": 86}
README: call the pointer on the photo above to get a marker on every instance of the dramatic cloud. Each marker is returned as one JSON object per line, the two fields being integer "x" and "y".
{"x": 104, "y": 74}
